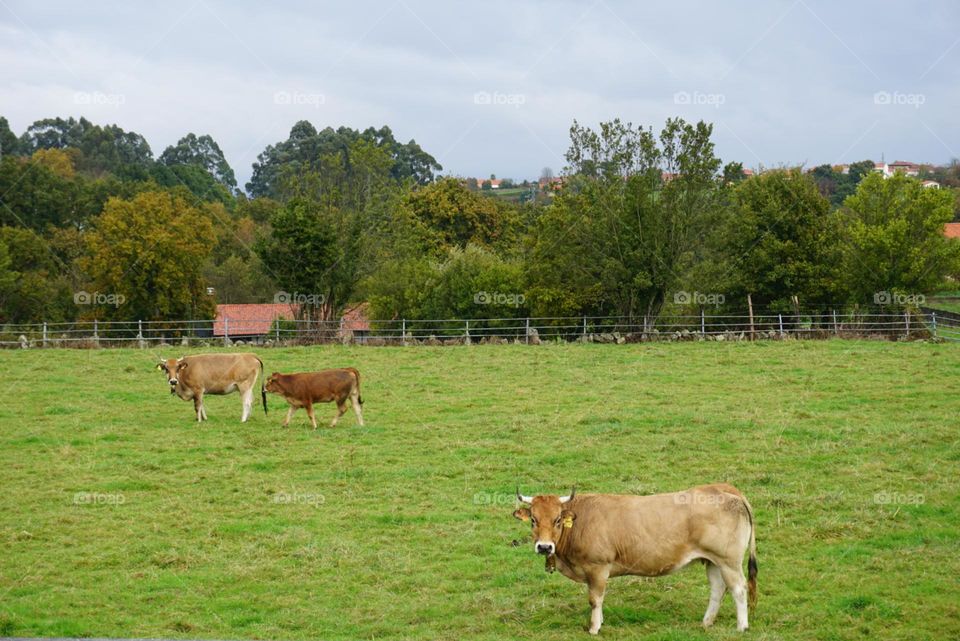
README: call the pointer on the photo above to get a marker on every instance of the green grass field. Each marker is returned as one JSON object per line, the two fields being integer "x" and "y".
{"x": 120, "y": 516}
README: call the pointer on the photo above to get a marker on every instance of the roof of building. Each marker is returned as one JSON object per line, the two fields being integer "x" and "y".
{"x": 250, "y": 319}
{"x": 355, "y": 319}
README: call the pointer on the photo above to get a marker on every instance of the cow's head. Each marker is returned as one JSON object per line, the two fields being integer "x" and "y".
{"x": 272, "y": 385}
{"x": 548, "y": 517}
{"x": 172, "y": 367}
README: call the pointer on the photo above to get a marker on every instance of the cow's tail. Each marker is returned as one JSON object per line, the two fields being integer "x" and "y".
{"x": 752, "y": 567}
{"x": 263, "y": 387}
{"x": 357, "y": 375}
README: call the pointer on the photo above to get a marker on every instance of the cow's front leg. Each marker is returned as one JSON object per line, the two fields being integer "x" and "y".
{"x": 597, "y": 585}
{"x": 313, "y": 418}
{"x": 290, "y": 412}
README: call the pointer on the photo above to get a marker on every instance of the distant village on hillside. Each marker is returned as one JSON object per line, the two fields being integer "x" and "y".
{"x": 548, "y": 184}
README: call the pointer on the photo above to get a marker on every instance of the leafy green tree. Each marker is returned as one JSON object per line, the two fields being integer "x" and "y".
{"x": 104, "y": 148}
{"x": 204, "y": 152}
{"x": 150, "y": 250}
{"x": 733, "y": 173}
{"x": 776, "y": 243}
{"x": 453, "y": 216}
{"x": 302, "y": 255}
{"x": 617, "y": 238}
{"x": 41, "y": 291}
{"x": 893, "y": 238}
{"x": 309, "y": 151}
{"x": 9, "y": 144}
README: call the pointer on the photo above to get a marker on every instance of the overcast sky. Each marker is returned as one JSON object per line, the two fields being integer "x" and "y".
{"x": 493, "y": 87}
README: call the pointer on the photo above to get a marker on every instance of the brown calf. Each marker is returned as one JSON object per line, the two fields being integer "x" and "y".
{"x": 303, "y": 390}
{"x": 593, "y": 537}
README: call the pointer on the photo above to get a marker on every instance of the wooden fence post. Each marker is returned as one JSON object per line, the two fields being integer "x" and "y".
{"x": 750, "y": 308}
{"x": 836, "y": 328}
{"x": 703, "y": 322}
{"x": 933, "y": 319}
{"x": 44, "y": 333}
{"x": 780, "y": 319}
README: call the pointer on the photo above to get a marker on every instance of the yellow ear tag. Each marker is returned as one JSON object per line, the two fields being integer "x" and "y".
{"x": 568, "y": 522}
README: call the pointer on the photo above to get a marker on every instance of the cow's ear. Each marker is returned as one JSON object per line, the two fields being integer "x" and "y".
{"x": 160, "y": 365}
{"x": 522, "y": 513}
{"x": 568, "y": 518}
{"x": 181, "y": 365}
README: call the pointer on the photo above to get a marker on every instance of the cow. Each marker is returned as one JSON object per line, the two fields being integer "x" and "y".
{"x": 593, "y": 537}
{"x": 305, "y": 389}
{"x": 190, "y": 377}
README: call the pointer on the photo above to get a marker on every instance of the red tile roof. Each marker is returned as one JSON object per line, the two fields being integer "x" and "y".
{"x": 952, "y": 230}
{"x": 250, "y": 319}
{"x": 355, "y": 319}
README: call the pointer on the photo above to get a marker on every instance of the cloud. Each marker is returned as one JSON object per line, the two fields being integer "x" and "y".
{"x": 784, "y": 82}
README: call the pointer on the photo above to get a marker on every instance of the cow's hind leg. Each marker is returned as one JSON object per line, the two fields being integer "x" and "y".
{"x": 247, "y": 395}
{"x": 737, "y": 584}
{"x": 355, "y": 399}
{"x": 717, "y": 589}
{"x": 597, "y": 585}
{"x": 341, "y": 409}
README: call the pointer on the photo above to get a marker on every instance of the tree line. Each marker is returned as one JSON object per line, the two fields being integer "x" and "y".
{"x": 340, "y": 216}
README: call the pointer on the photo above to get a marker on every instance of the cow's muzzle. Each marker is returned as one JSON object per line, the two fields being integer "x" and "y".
{"x": 545, "y": 548}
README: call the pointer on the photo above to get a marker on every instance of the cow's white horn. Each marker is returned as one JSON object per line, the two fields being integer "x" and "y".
{"x": 573, "y": 493}
{"x": 522, "y": 498}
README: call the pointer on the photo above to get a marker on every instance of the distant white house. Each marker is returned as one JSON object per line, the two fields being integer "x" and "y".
{"x": 931, "y": 184}
{"x": 898, "y": 167}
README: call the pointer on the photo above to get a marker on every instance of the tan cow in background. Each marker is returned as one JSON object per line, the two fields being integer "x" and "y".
{"x": 190, "y": 377}
{"x": 593, "y": 537}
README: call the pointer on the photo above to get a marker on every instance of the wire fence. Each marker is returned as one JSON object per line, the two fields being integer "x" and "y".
{"x": 702, "y": 325}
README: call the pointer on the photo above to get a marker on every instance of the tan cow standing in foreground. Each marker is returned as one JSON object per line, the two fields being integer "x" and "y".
{"x": 303, "y": 390}
{"x": 191, "y": 377}
{"x": 593, "y": 537}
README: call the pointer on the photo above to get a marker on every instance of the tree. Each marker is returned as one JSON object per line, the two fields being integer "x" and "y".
{"x": 453, "y": 216}
{"x": 733, "y": 173}
{"x": 104, "y": 149}
{"x": 147, "y": 254}
{"x": 617, "y": 238}
{"x": 546, "y": 173}
{"x": 301, "y": 254}
{"x": 41, "y": 291}
{"x": 306, "y": 148}
{"x": 893, "y": 238}
{"x": 204, "y": 152}
{"x": 9, "y": 144}
{"x": 776, "y": 242}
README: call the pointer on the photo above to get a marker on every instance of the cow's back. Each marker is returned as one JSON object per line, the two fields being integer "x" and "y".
{"x": 218, "y": 372}
{"x": 646, "y": 535}
{"x": 319, "y": 387}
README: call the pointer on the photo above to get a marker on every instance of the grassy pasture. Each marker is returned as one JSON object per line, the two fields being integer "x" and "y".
{"x": 120, "y": 516}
